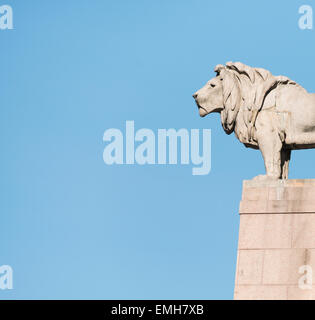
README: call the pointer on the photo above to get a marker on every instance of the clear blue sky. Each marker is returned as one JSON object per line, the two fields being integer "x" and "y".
{"x": 72, "y": 227}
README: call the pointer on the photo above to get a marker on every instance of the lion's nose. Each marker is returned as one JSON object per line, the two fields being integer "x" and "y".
{"x": 195, "y": 95}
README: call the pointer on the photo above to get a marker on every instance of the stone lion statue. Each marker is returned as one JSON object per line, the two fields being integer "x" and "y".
{"x": 266, "y": 112}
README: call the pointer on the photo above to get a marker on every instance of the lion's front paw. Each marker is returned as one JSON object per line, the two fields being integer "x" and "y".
{"x": 264, "y": 177}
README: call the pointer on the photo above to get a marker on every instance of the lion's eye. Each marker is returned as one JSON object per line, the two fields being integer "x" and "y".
{"x": 212, "y": 85}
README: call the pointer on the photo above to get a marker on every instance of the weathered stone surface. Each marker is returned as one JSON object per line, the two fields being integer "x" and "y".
{"x": 303, "y": 231}
{"x": 252, "y": 274}
{"x": 262, "y": 231}
{"x": 256, "y": 292}
{"x": 281, "y": 196}
{"x": 277, "y": 206}
{"x": 274, "y": 244}
{"x": 295, "y": 293}
{"x": 281, "y": 266}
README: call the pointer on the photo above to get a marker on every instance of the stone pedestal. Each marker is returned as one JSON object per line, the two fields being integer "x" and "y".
{"x": 276, "y": 248}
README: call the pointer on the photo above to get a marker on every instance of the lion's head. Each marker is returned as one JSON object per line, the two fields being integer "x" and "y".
{"x": 234, "y": 86}
{"x": 210, "y": 97}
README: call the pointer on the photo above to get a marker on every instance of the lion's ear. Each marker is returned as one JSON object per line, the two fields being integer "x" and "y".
{"x": 218, "y": 68}
{"x": 231, "y": 100}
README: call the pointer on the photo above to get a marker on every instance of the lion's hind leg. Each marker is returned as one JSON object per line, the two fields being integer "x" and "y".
{"x": 285, "y": 159}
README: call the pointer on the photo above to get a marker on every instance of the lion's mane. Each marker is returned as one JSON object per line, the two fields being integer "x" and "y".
{"x": 245, "y": 87}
